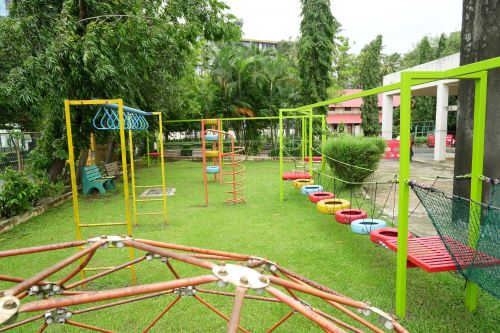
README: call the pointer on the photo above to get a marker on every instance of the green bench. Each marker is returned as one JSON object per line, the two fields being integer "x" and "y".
{"x": 93, "y": 179}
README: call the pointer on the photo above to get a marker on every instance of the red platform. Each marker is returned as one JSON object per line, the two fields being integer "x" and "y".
{"x": 430, "y": 254}
{"x": 315, "y": 159}
{"x": 154, "y": 154}
{"x": 392, "y": 150}
{"x": 293, "y": 175}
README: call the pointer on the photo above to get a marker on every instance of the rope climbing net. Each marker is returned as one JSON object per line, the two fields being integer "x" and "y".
{"x": 62, "y": 301}
{"x": 470, "y": 232}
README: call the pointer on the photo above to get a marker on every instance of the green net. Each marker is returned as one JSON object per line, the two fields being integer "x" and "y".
{"x": 470, "y": 232}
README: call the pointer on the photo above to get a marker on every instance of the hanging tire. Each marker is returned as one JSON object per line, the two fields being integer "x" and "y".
{"x": 347, "y": 216}
{"x": 309, "y": 189}
{"x": 213, "y": 169}
{"x": 365, "y": 226}
{"x": 381, "y": 236}
{"x": 330, "y": 206}
{"x": 318, "y": 196}
{"x": 298, "y": 183}
{"x": 211, "y": 137}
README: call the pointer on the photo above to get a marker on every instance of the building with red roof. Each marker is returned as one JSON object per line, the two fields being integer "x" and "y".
{"x": 349, "y": 113}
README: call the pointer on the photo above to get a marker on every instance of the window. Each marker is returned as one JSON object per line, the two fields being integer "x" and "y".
{"x": 347, "y": 109}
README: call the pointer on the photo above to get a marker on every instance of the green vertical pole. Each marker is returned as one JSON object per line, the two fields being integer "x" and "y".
{"x": 323, "y": 140}
{"x": 404, "y": 192}
{"x": 281, "y": 155}
{"x": 311, "y": 142}
{"x": 303, "y": 139}
{"x": 476, "y": 188}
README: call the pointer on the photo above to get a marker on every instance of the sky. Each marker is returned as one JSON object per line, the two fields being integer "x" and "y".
{"x": 402, "y": 23}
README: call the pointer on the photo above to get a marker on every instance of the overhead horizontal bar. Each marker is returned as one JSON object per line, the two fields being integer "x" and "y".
{"x": 244, "y": 118}
{"x": 129, "y": 109}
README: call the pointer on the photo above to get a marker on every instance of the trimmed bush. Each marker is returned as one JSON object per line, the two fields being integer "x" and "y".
{"x": 360, "y": 151}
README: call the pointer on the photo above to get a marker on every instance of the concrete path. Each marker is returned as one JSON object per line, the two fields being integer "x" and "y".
{"x": 424, "y": 170}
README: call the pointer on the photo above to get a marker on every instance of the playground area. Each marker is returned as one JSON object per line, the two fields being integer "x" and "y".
{"x": 334, "y": 232}
{"x": 292, "y": 234}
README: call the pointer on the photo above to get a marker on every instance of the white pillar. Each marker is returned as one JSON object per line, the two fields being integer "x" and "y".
{"x": 387, "y": 109}
{"x": 441, "y": 122}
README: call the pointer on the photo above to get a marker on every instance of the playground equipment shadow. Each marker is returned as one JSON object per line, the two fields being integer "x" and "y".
{"x": 292, "y": 233}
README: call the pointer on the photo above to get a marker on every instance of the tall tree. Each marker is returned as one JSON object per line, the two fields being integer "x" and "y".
{"x": 132, "y": 49}
{"x": 480, "y": 36}
{"x": 370, "y": 77}
{"x": 316, "y": 49}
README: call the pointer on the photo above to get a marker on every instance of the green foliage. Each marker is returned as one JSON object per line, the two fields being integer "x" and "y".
{"x": 431, "y": 48}
{"x": 371, "y": 78}
{"x": 20, "y": 193}
{"x": 78, "y": 50}
{"x": 316, "y": 49}
{"x": 361, "y": 156}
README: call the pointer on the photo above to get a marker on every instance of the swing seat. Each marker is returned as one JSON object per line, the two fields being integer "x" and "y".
{"x": 314, "y": 159}
{"x": 299, "y": 183}
{"x": 294, "y": 175}
{"x": 309, "y": 189}
{"x": 318, "y": 196}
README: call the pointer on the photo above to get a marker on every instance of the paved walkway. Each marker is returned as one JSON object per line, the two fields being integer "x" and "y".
{"x": 423, "y": 170}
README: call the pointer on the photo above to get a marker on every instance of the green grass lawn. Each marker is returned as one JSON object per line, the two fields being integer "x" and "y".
{"x": 292, "y": 233}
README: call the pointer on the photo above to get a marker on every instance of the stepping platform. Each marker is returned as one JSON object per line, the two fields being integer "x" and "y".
{"x": 430, "y": 254}
{"x": 211, "y": 137}
{"x": 294, "y": 175}
{"x": 213, "y": 169}
{"x": 314, "y": 159}
{"x": 212, "y": 153}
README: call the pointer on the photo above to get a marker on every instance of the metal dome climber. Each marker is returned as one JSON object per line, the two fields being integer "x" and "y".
{"x": 248, "y": 275}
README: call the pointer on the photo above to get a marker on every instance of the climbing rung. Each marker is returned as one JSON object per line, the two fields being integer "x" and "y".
{"x": 145, "y": 200}
{"x": 89, "y": 225}
{"x": 152, "y": 213}
{"x": 147, "y": 186}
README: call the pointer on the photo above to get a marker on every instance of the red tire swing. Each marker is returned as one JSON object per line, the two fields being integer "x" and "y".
{"x": 381, "y": 236}
{"x": 346, "y": 216}
{"x": 317, "y": 196}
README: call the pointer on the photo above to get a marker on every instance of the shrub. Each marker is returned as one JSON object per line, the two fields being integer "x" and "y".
{"x": 362, "y": 152}
{"x": 20, "y": 193}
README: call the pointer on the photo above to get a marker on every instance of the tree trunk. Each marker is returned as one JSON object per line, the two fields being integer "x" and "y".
{"x": 110, "y": 153}
{"x": 56, "y": 169}
{"x": 84, "y": 155}
{"x": 480, "y": 41}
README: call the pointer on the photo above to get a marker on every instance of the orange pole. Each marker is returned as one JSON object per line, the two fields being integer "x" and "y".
{"x": 234, "y": 171}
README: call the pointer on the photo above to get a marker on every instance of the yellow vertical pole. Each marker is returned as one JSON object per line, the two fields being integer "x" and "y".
{"x": 71, "y": 157}
{"x": 147, "y": 147}
{"x": 74, "y": 188}
{"x": 162, "y": 160}
{"x": 123, "y": 148}
{"x": 132, "y": 174}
